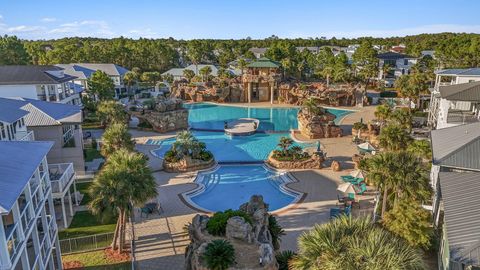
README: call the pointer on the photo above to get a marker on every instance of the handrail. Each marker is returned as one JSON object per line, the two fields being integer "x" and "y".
{"x": 59, "y": 182}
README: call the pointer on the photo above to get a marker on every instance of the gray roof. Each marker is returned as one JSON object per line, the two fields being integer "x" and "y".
{"x": 178, "y": 72}
{"x": 34, "y": 74}
{"x": 460, "y": 72}
{"x": 85, "y": 70}
{"x": 18, "y": 162}
{"x": 43, "y": 113}
{"x": 9, "y": 112}
{"x": 393, "y": 56}
{"x": 460, "y": 195}
{"x": 462, "y": 92}
{"x": 457, "y": 147}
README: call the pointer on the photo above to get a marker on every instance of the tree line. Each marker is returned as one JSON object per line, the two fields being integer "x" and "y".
{"x": 457, "y": 50}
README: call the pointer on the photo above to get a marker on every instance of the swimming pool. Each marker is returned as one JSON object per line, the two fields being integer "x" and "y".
{"x": 238, "y": 149}
{"x": 229, "y": 186}
{"x": 208, "y": 116}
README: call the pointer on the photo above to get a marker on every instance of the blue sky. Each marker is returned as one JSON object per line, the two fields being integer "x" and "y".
{"x": 34, "y": 19}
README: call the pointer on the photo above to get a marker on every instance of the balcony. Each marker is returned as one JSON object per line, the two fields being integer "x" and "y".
{"x": 260, "y": 78}
{"x": 24, "y": 136}
{"x": 461, "y": 117}
{"x": 61, "y": 176}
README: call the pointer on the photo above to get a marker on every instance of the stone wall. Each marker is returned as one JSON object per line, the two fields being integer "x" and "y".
{"x": 252, "y": 242}
{"x": 318, "y": 126}
{"x": 314, "y": 162}
{"x": 187, "y": 164}
{"x": 168, "y": 121}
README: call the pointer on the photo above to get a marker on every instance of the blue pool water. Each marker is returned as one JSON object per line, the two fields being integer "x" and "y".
{"x": 254, "y": 148}
{"x": 230, "y": 186}
{"x": 207, "y": 116}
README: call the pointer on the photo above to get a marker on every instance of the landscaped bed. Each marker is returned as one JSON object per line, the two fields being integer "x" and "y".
{"x": 96, "y": 260}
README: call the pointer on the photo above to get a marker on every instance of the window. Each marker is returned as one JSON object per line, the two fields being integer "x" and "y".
{"x": 405, "y": 62}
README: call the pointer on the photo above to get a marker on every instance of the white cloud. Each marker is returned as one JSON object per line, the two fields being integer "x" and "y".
{"x": 48, "y": 19}
{"x": 85, "y": 28}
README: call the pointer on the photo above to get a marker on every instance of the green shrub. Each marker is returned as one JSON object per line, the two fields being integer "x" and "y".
{"x": 217, "y": 224}
{"x": 144, "y": 124}
{"x": 133, "y": 109}
{"x": 283, "y": 258}
{"x": 390, "y": 94}
{"x": 276, "y": 231}
{"x": 219, "y": 255}
{"x": 359, "y": 126}
{"x": 170, "y": 156}
{"x": 206, "y": 155}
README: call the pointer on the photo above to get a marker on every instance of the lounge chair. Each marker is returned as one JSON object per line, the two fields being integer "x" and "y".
{"x": 347, "y": 210}
{"x": 347, "y": 178}
{"x": 335, "y": 212}
{"x": 362, "y": 188}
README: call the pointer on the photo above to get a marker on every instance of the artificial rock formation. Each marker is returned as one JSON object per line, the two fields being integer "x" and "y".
{"x": 187, "y": 164}
{"x": 167, "y": 115}
{"x": 314, "y": 162}
{"x": 252, "y": 242}
{"x": 318, "y": 126}
{"x": 369, "y": 134}
{"x": 336, "y": 166}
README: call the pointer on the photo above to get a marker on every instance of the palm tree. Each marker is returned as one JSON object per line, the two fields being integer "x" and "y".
{"x": 130, "y": 79}
{"x": 311, "y": 106}
{"x": 400, "y": 174}
{"x": 219, "y": 255}
{"x": 403, "y": 118}
{"x": 116, "y": 137}
{"x": 242, "y": 63}
{"x": 382, "y": 113}
{"x": 110, "y": 112}
{"x": 327, "y": 72}
{"x": 284, "y": 144}
{"x": 394, "y": 138}
{"x": 124, "y": 182}
{"x": 354, "y": 243}
{"x": 385, "y": 69}
{"x": 205, "y": 72}
{"x": 188, "y": 74}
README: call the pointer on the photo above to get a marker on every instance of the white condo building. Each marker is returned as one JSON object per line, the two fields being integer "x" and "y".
{"x": 28, "y": 229}
{"x": 47, "y": 83}
{"x": 14, "y": 126}
{"x": 455, "y": 98}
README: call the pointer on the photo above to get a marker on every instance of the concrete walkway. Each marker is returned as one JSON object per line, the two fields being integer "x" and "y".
{"x": 161, "y": 240}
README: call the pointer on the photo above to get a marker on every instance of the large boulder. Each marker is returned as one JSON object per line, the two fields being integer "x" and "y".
{"x": 238, "y": 228}
{"x": 267, "y": 257}
{"x": 318, "y": 126}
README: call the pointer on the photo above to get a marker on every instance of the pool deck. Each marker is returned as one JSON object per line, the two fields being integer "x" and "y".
{"x": 161, "y": 239}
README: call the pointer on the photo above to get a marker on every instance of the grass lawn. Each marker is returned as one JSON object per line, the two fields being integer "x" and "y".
{"x": 94, "y": 260}
{"x": 83, "y": 188}
{"x": 84, "y": 224}
{"x": 91, "y": 154}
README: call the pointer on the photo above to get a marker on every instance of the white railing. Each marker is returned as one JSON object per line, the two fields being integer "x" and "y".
{"x": 68, "y": 135}
{"x": 60, "y": 176}
{"x": 24, "y": 136}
